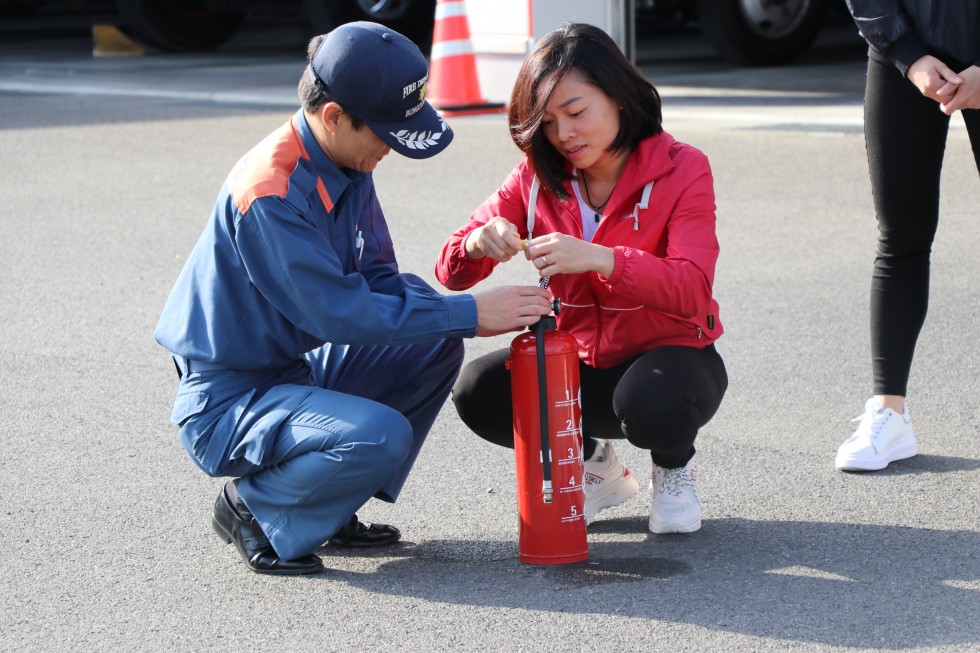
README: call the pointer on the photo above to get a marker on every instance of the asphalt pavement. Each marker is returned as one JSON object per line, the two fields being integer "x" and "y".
{"x": 109, "y": 169}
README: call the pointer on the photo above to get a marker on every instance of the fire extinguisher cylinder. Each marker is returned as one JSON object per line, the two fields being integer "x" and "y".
{"x": 548, "y": 445}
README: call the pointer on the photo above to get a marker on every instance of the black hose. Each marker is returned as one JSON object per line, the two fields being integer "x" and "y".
{"x": 539, "y": 329}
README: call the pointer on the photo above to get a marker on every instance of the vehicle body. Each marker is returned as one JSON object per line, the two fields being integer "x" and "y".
{"x": 195, "y": 25}
{"x": 747, "y": 32}
{"x": 201, "y": 24}
{"x": 752, "y": 32}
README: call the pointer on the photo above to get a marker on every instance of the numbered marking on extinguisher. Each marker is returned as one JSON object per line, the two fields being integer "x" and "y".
{"x": 571, "y": 456}
{"x": 569, "y": 430}
{"x": 573, "y": 486}
{"x": 574, "y": 515}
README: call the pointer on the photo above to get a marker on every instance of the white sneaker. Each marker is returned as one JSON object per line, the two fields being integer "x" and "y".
{"x": 607, "y": 482}
{"x": 675, "y": 506}
{"x": 882, "y": 436}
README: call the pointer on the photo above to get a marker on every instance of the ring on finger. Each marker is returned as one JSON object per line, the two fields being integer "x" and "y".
{"x": 545, "y": 259}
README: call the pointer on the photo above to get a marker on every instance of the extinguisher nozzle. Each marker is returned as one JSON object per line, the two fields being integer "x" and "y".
{"x": 547, "y": 491}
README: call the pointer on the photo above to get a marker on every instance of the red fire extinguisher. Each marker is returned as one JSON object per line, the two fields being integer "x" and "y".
{"x": 548, "y": 445}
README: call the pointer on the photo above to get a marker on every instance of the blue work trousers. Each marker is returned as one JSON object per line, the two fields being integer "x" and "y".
{"x": 314, "y": 441}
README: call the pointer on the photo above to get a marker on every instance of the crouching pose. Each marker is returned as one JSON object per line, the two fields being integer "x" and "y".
{"x": 311, "y": 369}
{"x": 621, "y": 217}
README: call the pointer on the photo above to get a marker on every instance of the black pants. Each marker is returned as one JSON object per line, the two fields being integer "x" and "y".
{"x": 905, "y": 134}
{"x": 657, "y": 401}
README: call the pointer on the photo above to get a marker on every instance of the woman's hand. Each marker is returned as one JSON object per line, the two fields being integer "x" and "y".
{"x": 934, "y": 79}
{"x": 967, "y": 93}
{"x": 563, "y": 254}
{"x": 497, "y": 239}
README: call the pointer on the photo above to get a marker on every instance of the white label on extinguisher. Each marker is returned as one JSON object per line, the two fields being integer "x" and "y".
{"x": 572, "y": 456}
{"x": 572, "y": 486}
{"x": 569, "y": 430}
{"x": 574, "y": 516}
{"x": 569, "y": 400}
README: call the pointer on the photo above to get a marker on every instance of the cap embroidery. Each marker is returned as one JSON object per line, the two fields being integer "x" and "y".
{"x": 411, "y": 88}
{"x": 422, "y": 140}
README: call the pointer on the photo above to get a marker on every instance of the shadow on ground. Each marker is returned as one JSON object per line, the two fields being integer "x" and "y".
{"x": 816, "y": 582}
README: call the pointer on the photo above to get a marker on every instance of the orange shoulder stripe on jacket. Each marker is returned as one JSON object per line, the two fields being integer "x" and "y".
{"x": 265, "y": 170}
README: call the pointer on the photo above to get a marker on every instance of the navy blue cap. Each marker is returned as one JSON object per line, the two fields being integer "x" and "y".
{"x": 380, "y": 76}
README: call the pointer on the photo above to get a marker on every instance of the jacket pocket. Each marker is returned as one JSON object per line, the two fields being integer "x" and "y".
{"x": 188, "y": 405}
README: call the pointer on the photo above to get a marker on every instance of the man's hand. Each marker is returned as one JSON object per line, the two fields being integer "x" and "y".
{"x": 934, "y": 79}
{"x": 967, "y": 95}
{"x": 510, "y": 308}
{"x": 497, "y": 239}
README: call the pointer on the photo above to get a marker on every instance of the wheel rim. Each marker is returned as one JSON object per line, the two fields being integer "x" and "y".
{"x": 774, "y": 19}
{"x": 382, "y": 10}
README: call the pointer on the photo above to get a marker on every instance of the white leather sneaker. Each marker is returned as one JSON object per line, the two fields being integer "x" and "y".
{"x": 607, "y": 482}
{"x": 675, "y": 506}
{"x": 883, "y": 436}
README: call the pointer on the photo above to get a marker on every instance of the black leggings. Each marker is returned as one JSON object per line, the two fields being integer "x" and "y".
{"x": 905, "y": 133}
{"x": 657, "y": 401}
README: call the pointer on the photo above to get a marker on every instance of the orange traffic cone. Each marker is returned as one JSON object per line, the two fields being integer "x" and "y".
{"x": 453, "y": 87}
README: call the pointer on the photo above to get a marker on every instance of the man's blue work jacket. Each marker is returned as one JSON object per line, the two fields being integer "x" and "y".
{"x": 296, "y": 254}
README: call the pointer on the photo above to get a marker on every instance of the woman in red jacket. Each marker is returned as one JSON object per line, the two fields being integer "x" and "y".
{"x": 621, "y": 218}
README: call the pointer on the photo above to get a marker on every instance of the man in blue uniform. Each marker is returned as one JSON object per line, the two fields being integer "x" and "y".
{"x": 311, "y": 369}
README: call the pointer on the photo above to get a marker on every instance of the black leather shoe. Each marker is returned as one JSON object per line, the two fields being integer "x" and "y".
{"x": 358, "y": 534}
{"x": 253, "y": 545}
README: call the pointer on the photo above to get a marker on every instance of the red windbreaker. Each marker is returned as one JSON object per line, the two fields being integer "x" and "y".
{"x": 660, "y": 290}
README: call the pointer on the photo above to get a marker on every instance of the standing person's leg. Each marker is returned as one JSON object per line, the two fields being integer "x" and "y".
{"x": 662, "y": 401}
{"x": 972, "y": 119}
{"x": 905, "y": 135}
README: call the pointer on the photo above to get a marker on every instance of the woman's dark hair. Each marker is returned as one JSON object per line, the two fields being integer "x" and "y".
{"x": 312, "y": 94}
{"x": 590, "y": 52}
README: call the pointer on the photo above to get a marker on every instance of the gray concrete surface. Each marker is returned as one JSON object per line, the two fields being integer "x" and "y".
{"x": 109, "y": 169}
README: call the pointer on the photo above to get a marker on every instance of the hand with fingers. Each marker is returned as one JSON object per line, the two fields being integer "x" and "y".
{"x": 558, "y": 253}
{"x": 934, "y": 79}
{"x": 510, "y": 308}
{"x": 497, "y": 239}
{"x": 966, "y": 94}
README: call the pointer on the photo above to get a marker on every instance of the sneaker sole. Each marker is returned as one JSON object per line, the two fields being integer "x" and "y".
{"x": 611, "y": 494}
{"x": 661, "y": 528}
{"x": 903, "y": 449}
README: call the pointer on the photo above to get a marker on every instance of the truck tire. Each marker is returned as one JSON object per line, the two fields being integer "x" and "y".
{"x": 180, "y": 25}
{"x": 761, "y": 32}
{"x": 413, "y": 18}
{"x": 17, "y": 8}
